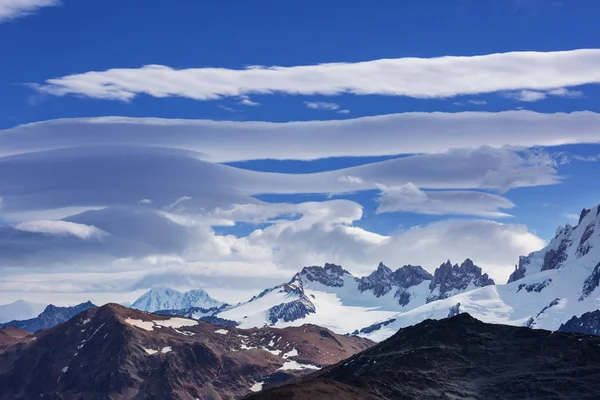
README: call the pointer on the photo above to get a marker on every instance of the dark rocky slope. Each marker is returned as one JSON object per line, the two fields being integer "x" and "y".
{"x": 460, "y": 358}
{"x": 113, "y": 352}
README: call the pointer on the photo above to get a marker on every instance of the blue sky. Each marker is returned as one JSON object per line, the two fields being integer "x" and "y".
{"x": 59, "y": 62}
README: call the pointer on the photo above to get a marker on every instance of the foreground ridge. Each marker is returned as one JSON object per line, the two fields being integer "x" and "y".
{"x": 460, "y": 357}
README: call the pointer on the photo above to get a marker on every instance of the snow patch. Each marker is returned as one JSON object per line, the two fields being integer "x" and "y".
{"x": 222, "y": 331}
{"x": 150, "y": 351}
{"x": 257, "y": 387}
{"x": 289, "y": 365}
{"x": 171, "y": 323}
{"x": 65, "y": 369}
{"x": 166, "y": 349}
{"x": 291, "y": 353}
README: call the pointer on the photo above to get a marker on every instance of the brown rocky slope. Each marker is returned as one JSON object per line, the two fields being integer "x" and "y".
{"x": 113, "y": 352}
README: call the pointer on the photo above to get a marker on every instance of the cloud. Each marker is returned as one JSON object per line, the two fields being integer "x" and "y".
{"x": 11, "y": 9}
{"x": 409, "y": 198}
{"x": 99, "y": 177}
{"x": 226, "y": 141}
{"x": 474, "y": 102}
{"x": 267, "y": 256}
{"x": 53, "y": 227}
{"x": 222, "y": 107}
{"x": 532, "y": 95}
{"x": 321, "y": 105}
{"x": 245, "y": 101}
{"x": 439, "y": 77}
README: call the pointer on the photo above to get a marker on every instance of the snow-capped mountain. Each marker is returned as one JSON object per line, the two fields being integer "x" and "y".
{"x": 169, "y": 299}
{"x": 547, "y": 288}
{"x": 332, "y": 297}
{"x": 19, "y": 310}
{"x": 449, "y": 280}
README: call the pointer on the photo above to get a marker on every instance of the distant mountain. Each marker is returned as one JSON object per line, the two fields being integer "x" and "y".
{"x": 51, "y": 316}
{"x": 459, "y": 358}
{"x": 547, "y": 288}
{"x": 588, "y": 323}
{"x": 171, "y": 299}
{"x": 327, "y": 295}
{"x": 20, "y": 310}
{"x": 117, "y": 352}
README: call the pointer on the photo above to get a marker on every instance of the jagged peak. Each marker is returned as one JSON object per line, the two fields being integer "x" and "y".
{"x": 383, "y": 268}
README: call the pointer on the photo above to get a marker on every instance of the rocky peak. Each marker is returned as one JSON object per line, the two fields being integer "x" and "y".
{"x": 583, "y": 214}
{"x": 383, "y": 280}
{"x": 561, "y": 248}
{"x": 449, "y": 279}
{"x": 379, "y": 281}
{"x": 329, "y": 275}
{"x": 411, "y": 275}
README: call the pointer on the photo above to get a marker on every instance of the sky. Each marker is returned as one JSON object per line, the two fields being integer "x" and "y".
{"x": 226, "y": 145}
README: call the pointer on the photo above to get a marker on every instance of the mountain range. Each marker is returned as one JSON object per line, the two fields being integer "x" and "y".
{"x": 170, "y": 299}
{"x": 547, "y": 289}
{"x": 326, "y": 295}
{"x": 115, "y": 352}
{"x": 459, "y": 358}
{"x": 51, "y": 316}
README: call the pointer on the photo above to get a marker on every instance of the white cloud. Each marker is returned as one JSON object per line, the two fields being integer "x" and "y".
{"x": 564, "y": 92}
{"x": 527, "y": 95}
{"x": 321, "y": 105}
{"x": 100, "y": 177}
{"x": 533, "y": 95}
{"x": 409, "y": 198}
{"x": 245, "y": 101}
{"x": 415, "y": 77}
{"x": 54, "y": 227}
{"x": 343, "y": 111}
{"x": 225, "y": 141}
{"x": 10, "y": 9}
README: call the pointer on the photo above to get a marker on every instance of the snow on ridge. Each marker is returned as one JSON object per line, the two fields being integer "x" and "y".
{"x": 174, "y": 323}
{"x": 295, "y": 365}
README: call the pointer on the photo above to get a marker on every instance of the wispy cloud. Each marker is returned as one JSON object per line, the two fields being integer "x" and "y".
{"x": 322, "y": 105}
{"x": 245, "y": 101}
{"x": 11, "y": 9}
{"x": 533, "y": 95}
{"x": 474, "y": 102}
{"x": 230, "y": 109}
{"x": 414, "y": 77}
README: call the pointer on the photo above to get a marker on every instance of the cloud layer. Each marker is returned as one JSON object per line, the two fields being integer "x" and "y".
{"x": 414, "y": 77}
{"x": 225, "y": 141}
{"x": 130, "y": 203}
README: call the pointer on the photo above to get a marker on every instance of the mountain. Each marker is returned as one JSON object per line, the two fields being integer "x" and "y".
{"x": 449, "y": 280}
{"x": 51, "y": 316}
{"x": 588, "y": 323}
{"x": 327, "y": 295}
{"x": 20, "y": 310}
{"x": 547, "y": 288}
{"x": 459, "y": 358}
{"x": 171, "y": 299}
{"x": 117, "y": 352}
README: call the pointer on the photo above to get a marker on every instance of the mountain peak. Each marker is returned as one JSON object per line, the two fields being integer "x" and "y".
{"x": 329, "y": 275}
{"x": 449, "y": 279}
{"x": 163, "y": 298}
